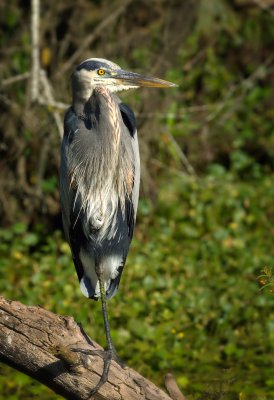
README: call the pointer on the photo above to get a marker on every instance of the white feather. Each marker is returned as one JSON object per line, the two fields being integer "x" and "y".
{"x": 109, "y": 265}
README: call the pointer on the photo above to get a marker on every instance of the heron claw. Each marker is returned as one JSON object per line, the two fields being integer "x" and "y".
{"x": 103, "y": 353}
{"x": 108, "y": 356}
{"x": 88, "y": 352}
{"x": 117, "y": 359}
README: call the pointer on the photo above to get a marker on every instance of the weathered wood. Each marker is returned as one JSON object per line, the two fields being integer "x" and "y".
{"x": 38, "y": 343}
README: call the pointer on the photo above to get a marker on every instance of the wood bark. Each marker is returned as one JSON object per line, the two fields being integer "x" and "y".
{"x": 39, "y": 343}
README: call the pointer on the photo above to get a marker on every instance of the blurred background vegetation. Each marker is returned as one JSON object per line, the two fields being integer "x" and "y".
{"x": 190, "y": 299}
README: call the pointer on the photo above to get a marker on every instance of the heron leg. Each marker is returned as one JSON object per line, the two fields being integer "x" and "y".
{"x": 110, "y": 352}
{"x": 110, "y": 346}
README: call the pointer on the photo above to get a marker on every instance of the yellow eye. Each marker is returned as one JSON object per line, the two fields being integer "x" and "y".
{"x": 101, "y": 72}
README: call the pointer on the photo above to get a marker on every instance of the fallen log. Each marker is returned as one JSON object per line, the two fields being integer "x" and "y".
{"x": 40, "y": 344}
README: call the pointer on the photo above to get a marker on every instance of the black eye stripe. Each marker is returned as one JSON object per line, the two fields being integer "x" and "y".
{"x": 92, "y": 65}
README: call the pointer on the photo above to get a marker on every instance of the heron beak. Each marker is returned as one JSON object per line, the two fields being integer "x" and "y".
{"x": 133, "y": 79}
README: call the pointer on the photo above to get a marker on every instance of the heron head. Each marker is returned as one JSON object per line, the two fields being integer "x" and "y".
{"x": 95, "y": 72}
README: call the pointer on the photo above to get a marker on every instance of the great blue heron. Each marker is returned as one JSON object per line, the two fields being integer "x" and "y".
{"x": 100, "y": 174}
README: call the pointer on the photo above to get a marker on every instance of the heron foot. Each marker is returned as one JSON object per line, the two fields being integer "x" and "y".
{"x": 117, "y": 359}
{"x": 108, "y": 355}
{"x": 87, "y": 352}
{"x": 101, "y": 353}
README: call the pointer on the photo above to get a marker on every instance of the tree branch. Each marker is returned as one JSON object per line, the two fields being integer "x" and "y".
{"x": 39, "y": 343}
{"x": 35, "y": 20}
{"x": 173, "y": 388}
{"x": 48, "y": 94}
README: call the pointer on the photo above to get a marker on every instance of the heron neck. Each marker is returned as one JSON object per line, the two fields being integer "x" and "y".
{"x": 80, "y": 102}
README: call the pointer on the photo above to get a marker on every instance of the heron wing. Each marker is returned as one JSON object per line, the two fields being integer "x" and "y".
{"x": 130, "y": 123}
{"x": 67, "y": 195}
{"x": 70, "y": 205}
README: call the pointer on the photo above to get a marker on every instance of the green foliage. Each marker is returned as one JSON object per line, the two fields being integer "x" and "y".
{"x": 266, "y": 279}
{"x": 225, "y": 112}
{"x": 189, "y": 299}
